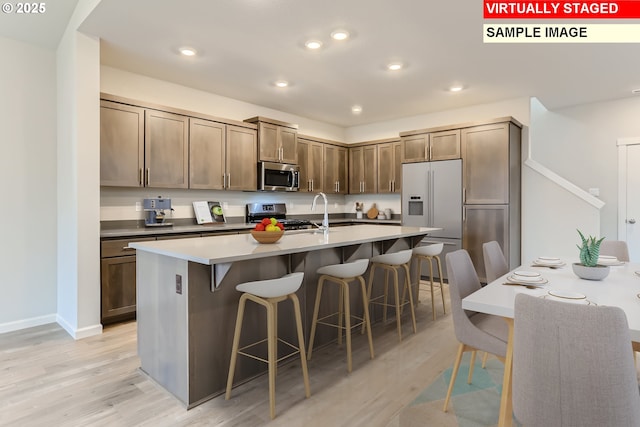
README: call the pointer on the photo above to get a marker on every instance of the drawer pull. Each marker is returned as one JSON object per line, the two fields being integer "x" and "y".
{"x": 127, "y": 248}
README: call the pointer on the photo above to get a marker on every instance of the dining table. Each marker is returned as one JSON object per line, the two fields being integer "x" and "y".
{"x": 621, "y": 288}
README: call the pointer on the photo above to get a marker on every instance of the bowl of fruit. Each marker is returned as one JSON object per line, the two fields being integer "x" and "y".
{"x": 268, "y": 231}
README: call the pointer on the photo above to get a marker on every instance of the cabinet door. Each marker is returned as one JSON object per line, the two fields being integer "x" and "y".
{"x": 315, "y": 166}
{"x": 356, "y": 169}
{"x": 444, "y": 145}
{"x": 370, "y": 157}
{"x": 269, "y": 146}
{"x": 481, "y": 224}
{"x": 386, "y": 172}
{"x": 397, "y": 167}
{"x": 166, "y": 150}
{"x": 414, "y": 148}
{"x": 336, "y": 168}
{"x": 303, "y": 158}
{"x": 121, "y": 145}
{"x": 242, "y": 161}
{"x": 206, "y": 154}
{"x": 485, "y": 155}
{"x": 118, "y": 287}
{"x": 288, "y": 141}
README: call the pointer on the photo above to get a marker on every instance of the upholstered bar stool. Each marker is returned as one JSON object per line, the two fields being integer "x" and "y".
{"x": 430, "y": 253}
{"x": 268, "y": 293}
{"x": 391, "y": 263}
{"x": 343, "y": 274}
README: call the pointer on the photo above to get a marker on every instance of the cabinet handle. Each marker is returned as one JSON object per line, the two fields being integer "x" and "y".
{"x": 464, "y": 194}
{"x": 224, "y": 180}
{"x": 312, "y": 185}
{"x": 127, "y": 248}
{"x": 390, "y": 187}
{"x": 148, "y": 175}
{"x": 229, "y": 180}
{"x": 140, "y": 177}
{"x": 430, "y": 152}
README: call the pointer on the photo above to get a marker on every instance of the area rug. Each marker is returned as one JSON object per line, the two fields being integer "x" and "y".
{"x": 471, "y": 405}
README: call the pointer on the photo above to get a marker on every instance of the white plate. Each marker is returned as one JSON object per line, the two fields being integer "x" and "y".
{"x": 527, "y": 280}
{"x": 637, "y": 273}
{"x": 610, "y": 261}
{"x": 570, "y": 301}
{"x": 567, "y": 294}
{"x": 523, "y": 273}
{"x": 540, "y": 261}
{"x": 549, "y": 259}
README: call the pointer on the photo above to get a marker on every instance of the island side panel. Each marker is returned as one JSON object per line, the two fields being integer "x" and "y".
{"x": 162, "y": 321}
{"x": 212, "y": 319}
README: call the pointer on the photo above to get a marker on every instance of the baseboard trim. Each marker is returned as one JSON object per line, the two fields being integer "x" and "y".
{"x": 27, "y": 323}
{"x": 81, "y": 333}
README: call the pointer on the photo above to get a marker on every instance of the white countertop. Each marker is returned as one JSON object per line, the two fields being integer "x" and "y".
{"x": 230, "y": 248}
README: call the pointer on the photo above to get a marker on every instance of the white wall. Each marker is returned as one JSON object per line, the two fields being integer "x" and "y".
{"x": 118, "y": 82}
{"x": 78, "y": 79}
{"x": 28, "y": 176}
{"x": 579, "y": 143}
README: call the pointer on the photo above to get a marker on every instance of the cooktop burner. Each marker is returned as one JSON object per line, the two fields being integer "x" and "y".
{"x": 257, "y": 211}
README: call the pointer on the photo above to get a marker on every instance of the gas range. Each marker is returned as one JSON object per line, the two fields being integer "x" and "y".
{"x": 255, "y": 212}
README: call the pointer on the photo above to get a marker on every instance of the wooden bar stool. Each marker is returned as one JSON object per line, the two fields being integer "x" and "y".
{"x": 429, "y": 254}
{"x": 391, "y": 263}
{"x": 268, "y": 293}
{"x": 343, "y": 274}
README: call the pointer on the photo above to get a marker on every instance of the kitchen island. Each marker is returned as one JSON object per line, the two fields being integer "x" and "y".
{"x": 187, "y": 302}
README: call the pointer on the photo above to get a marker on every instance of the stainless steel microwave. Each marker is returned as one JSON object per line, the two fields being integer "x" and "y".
{"x": 278, "y": 177}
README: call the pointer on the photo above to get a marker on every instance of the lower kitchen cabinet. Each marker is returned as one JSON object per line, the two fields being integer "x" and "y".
{"x": 118, "y": 280}
{"x": 484, "y": 223}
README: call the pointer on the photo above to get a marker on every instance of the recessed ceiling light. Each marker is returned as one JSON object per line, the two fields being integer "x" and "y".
{"x": 356, "y": 109}
{"x": 340, "y": 35}
{"x": 395, "y": 66}
{"x": 456, "y": 88}
{"x": 282, "y": 83}
{"x": 188, "y": 51}
{"x": 313, "y": 44}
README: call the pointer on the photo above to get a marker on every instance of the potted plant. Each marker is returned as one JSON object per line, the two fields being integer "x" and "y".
{"x": 588, "y": 267}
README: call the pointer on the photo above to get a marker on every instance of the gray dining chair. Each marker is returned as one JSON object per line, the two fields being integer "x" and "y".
{"x": 474, "y": 331}
{"x": 616, "y": 248}
{"x": 572, "y": 365}
{"x": 495, "y": 264}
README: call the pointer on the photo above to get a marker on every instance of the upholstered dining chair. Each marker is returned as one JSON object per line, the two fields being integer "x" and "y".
{"x": 572, "y": 365}
{"x": 474, "y": 331}
{"x": 495, "y": 264}
{"x": 616, "y": 248}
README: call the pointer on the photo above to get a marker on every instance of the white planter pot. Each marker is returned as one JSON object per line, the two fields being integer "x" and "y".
{"x": 598, "y": 272}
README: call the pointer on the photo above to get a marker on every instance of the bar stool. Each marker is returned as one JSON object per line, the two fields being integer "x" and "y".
{"x": 343, "y": 274}
{"x": 430, "y": 253}
{"x": 391, "y": 263}
{"x": 268, "y": 293}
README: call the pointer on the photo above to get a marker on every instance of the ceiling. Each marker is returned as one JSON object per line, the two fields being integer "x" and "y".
{"x": 246, "y": 45}
{"x": 41, "y": 29}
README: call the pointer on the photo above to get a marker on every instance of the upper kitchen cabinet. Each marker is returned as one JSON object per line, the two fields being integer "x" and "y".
{"x": 207, "y": 153}
{"x": 216, "y": 150}
{"x": 363, "y": 169}
{"x": 430, "y": 145}
{"x": 121, "y": 145}
{"x": 390, "y": 167}
{"x": 336, "y": 169}
{"x": 491, "y": 158}
{"x": 241, "y": 159}
{"x": 310, "y": 158}
{"x": 166, "y": 150}
{"x": 277, "y": 141}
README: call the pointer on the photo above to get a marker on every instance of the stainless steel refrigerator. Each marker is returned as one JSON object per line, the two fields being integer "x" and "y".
{"x": 432, "y": 197}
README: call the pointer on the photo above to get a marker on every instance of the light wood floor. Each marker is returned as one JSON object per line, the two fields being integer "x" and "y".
{"x": 48, "y": 379}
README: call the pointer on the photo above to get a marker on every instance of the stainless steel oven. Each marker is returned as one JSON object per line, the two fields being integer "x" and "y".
{"x": 278, "y": 177}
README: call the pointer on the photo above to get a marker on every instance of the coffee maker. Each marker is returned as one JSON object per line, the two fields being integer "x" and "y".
{"x": 154, "y": 211}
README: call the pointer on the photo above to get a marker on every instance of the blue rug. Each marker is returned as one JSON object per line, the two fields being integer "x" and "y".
{"x": 471, "y": 405}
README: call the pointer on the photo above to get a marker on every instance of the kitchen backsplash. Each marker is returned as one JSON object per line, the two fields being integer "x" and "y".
{"x": 120, "y": 203}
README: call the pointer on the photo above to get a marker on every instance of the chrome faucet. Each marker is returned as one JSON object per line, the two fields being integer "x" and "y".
{"x": 325, "y": 220}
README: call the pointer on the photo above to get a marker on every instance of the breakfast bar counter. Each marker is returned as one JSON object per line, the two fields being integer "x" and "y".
{"x": 187, "y": 302}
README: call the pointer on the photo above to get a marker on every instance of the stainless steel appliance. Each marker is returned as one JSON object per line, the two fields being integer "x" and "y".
{"x": 154, "y": 211}
{"x": 432, "y": 197}
{"x": 255, "y": 212}
{"x": 278, "y": 177}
